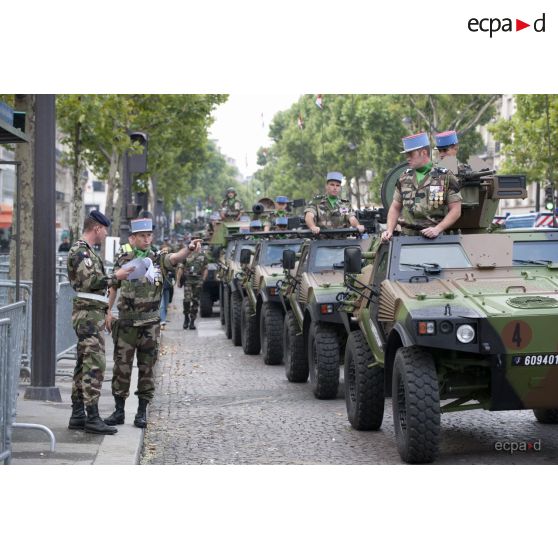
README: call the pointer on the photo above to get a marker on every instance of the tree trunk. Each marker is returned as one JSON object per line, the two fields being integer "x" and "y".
{"x": 77, "y": 210}
{"x": 113, "y": 185}
{"x": 25, "y": 153}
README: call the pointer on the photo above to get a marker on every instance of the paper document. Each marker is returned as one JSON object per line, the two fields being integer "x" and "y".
{"x": 141, "y": 265}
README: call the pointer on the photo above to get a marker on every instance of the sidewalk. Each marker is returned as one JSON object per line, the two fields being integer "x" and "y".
{"x": 76, "y": 447}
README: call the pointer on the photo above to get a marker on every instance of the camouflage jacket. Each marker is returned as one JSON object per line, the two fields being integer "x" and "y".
{"x": 232, "y": 207}
{"x": 194, "y": 267}
{"x": 139, "y": 299}
{"x": 86, "y": 273}
{"x": 328, "y": 217}
{"x": 426, "y": 204}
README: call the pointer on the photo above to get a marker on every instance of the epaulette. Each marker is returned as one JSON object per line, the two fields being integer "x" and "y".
{"x": 441, "y": 170}
{"x": 343, "y": 200}
{"x": 408, "y": 171}
{"x": 319, "y": 197}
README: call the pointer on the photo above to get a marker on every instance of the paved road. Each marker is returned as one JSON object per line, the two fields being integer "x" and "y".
{"x": 216, "y": 405}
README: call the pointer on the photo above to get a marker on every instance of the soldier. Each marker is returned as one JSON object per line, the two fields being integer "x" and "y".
{"x": 280, "y": 211}
{"x": 447, "y": 144}
{"x": 138, "y": 326}
{"x": 87, "y": 276}
{"x": 231, "y": 208}
{"x": 427, "y": 195}
{"x": 329, "y": 211}
{"x": 191, "y": 276}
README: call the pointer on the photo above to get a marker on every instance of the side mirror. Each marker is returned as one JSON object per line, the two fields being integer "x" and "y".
{"x": 245, "y": 256}
{"x": 289, "y": 259}
{"x": 353, "y": 260}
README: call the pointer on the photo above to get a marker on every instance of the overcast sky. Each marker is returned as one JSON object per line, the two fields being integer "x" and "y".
{"x": 240, "y": 129}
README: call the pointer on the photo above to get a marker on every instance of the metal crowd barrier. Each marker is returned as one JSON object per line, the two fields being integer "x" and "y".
{"x": 12, "y": 319}
{"x": 66, "y": 340}
{"x": 8, "y": 296}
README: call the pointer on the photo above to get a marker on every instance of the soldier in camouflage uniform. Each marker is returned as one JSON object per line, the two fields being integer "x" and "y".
{"x": 87, "y": 276}
{"x": 137, "y": 329}
{"x": 329, "y": 211}
{"x": 426, "y": 196}
{"x": 191, "y": 276}
{"x": 280, "y": 211}
{"x": 231, "y": 208}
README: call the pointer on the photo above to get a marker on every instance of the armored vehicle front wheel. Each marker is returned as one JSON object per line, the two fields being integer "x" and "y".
{"x": 546, "y": 416}
{"x": 236, "y": 311}
{"x": 271, "y": 333}
{"x": 364, "y": 385}
{"x": 206, "y": 304}
{"x": 416, "y": 405}
{"x": 294, "y": 351}
{"x": 227, "y": 312}
{"x": 323, "y": 360}
{"x": 249, "y": 329}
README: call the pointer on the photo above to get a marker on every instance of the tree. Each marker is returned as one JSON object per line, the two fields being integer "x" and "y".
{"x": 463, "y": 113}
{"x": 529, "y": 138}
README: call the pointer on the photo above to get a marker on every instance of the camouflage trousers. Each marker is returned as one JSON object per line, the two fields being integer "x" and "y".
{"x": 91, "y": 362}
{"x": 128, "y": 341}
{"x": 191, "y": 303}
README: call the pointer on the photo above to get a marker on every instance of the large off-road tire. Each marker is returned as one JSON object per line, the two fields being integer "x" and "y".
{"x": 271, "y": 333}
{"x": 416, "y": 405}
{"x": 206, "y": 304}
{"x": 546, "y": 416}
{"x": 294, "y": 351}
{"x": 236, "y": 311}
{"x": 249, "y": 330}
{"x": 221, "y": 305}
{"x": 227, "y": 313}
{"x": 323, "y": 360}
{"x": 364, "y": 386}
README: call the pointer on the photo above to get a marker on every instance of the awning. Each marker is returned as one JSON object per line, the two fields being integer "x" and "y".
{"x": 9, "y": 134}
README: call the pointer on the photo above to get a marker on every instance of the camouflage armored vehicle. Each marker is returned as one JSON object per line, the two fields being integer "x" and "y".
{"x": 454, "y": 323}
{"x": 313, "y": 334}
{"x": 231, "y": 289}
{"x": 262, "y": 311}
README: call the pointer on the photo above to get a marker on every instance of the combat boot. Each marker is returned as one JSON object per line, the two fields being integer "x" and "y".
{"x": 118, "y": 416}
{"x": 192, "y": 325}
{"x": 77, "y": 420}
{"x": 141, "y": 416}
{"x": 186, "y": 322}
{"x": 95, "y": 424}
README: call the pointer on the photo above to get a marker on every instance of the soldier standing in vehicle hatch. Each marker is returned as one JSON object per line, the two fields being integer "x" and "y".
{"x": 425, "y": 195}
{"x": 329, "y": 211}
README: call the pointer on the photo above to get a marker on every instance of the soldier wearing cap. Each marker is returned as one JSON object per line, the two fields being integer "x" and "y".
{"x": 425, "y": 195}
{"x": 447, "y": 144}
{"x": 329, "y": 211}
{"x": 87, "y": 276}
{"x": 231, "y": 208}
{"x": 137, "y": 329}
{"x": 280, "y": 210}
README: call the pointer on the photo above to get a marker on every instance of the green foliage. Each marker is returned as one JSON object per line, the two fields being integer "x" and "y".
{"x": 524, "y": 137}
{"x": 176, "y": 125}
{"x": 358, "y": 133}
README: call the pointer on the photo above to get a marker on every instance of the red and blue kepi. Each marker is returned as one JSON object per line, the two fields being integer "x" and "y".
{"x": 447, "y": 138}
{"x": 416, "y": 141}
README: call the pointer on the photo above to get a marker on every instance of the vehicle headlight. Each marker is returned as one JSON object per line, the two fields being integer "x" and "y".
{"x": 465, "y": 333}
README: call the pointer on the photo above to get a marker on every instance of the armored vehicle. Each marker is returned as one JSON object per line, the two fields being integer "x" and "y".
{"x": 313, "y": 334}
{"x": 231, "y": 289}
{"x": 262, "y": 312}
{"x": 454, "y": 323}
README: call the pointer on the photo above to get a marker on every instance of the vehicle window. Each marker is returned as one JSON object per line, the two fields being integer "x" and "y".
{"x": 274, "y": 252}
{"x": 447, "y": 256}
{"x": 525, "y": 252}
{"x": 329, "y": 256}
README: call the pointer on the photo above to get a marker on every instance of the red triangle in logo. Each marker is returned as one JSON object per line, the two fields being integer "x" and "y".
{"x": 519, "y": 25}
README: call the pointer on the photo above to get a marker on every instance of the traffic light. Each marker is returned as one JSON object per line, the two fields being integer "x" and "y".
{"x": 549, "y": 198}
